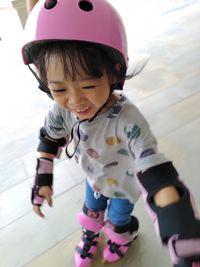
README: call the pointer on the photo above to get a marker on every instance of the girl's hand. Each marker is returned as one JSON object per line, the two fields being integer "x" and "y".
{"x": 46, "y": 193}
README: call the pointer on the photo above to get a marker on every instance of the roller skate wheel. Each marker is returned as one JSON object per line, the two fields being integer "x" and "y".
{"x": 103, "y": 261}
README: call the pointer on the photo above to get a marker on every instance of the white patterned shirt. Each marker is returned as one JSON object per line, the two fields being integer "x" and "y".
{"x": 113, "y": 147}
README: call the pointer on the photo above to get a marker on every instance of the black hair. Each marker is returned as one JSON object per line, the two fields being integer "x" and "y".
{"x": 93, "y": 59}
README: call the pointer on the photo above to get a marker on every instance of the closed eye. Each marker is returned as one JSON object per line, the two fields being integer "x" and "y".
{"x": 89, "y": 87}
{"x": 58, "y": 90}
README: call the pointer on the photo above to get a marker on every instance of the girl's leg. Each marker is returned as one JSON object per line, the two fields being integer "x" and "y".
{"x": 91, "y": 219}
{"x": 96, "y": 204}
{"x": 119, "y": 211}
{"x": 121, "y": 229}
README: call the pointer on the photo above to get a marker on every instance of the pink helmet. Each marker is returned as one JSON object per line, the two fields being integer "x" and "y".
{"x": 93, "y": 21}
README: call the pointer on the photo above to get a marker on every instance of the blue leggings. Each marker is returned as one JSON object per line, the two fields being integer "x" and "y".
{"x": 119, "y": 210}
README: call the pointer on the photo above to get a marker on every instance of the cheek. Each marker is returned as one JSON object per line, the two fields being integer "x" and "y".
{"x": 59, "y": 100}
{"x": 97, "y": 99}
{"x": 101, "y": 95}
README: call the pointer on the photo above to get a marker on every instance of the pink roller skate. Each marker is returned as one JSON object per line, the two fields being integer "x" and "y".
{"x": 119, "y": 239}
{"x": 92, "y": 222}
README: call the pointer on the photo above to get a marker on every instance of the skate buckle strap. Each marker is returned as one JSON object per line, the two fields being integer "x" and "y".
{"x": 84, "y": 253}
{"x": 115, "y": 248}
{"x": 132, "y": 226}
{"x": 92, "y": 213}
{"x": 88, "y": 242}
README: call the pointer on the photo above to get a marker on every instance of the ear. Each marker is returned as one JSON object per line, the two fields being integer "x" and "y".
{"x": 118, "y": 66}
{"x": 113, "y": 79}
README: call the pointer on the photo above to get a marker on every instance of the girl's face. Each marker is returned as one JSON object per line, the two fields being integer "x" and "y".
{"x": 83, "y": 96}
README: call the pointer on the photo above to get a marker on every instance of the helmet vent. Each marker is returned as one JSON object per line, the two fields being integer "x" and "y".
{"x": 85, "y": 6}
{"x": 49, "y": 4}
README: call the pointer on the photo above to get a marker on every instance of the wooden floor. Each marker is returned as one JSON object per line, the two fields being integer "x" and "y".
{"x": 167, "y": 92}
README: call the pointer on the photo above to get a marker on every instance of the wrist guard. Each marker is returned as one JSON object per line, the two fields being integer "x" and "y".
{"x": 176, "y": 224}
{"x": 50, "y": 145}
{"x": 44, "y": 177}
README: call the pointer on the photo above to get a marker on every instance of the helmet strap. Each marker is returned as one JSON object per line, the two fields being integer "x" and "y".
{"x": 42, "y": 86}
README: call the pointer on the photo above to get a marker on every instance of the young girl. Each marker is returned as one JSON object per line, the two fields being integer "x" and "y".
{"x": 79, "y": 49}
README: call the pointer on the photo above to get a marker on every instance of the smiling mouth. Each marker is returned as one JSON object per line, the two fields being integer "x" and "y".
{"x": 81, "y": 110}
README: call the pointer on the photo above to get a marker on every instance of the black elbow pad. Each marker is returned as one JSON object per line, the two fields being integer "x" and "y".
{"x": 48, "y": 144}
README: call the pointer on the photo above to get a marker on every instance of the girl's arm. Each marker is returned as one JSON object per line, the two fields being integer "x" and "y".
{"x": 172, "y": 209}
{"x": 166, "y": 196}
{"x": 30, "y": 4}
{"x": 46, "y": 155}
{"x": 42, "y": 189}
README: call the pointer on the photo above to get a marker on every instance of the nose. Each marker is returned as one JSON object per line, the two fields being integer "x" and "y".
{"x": 75, "y": 98}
